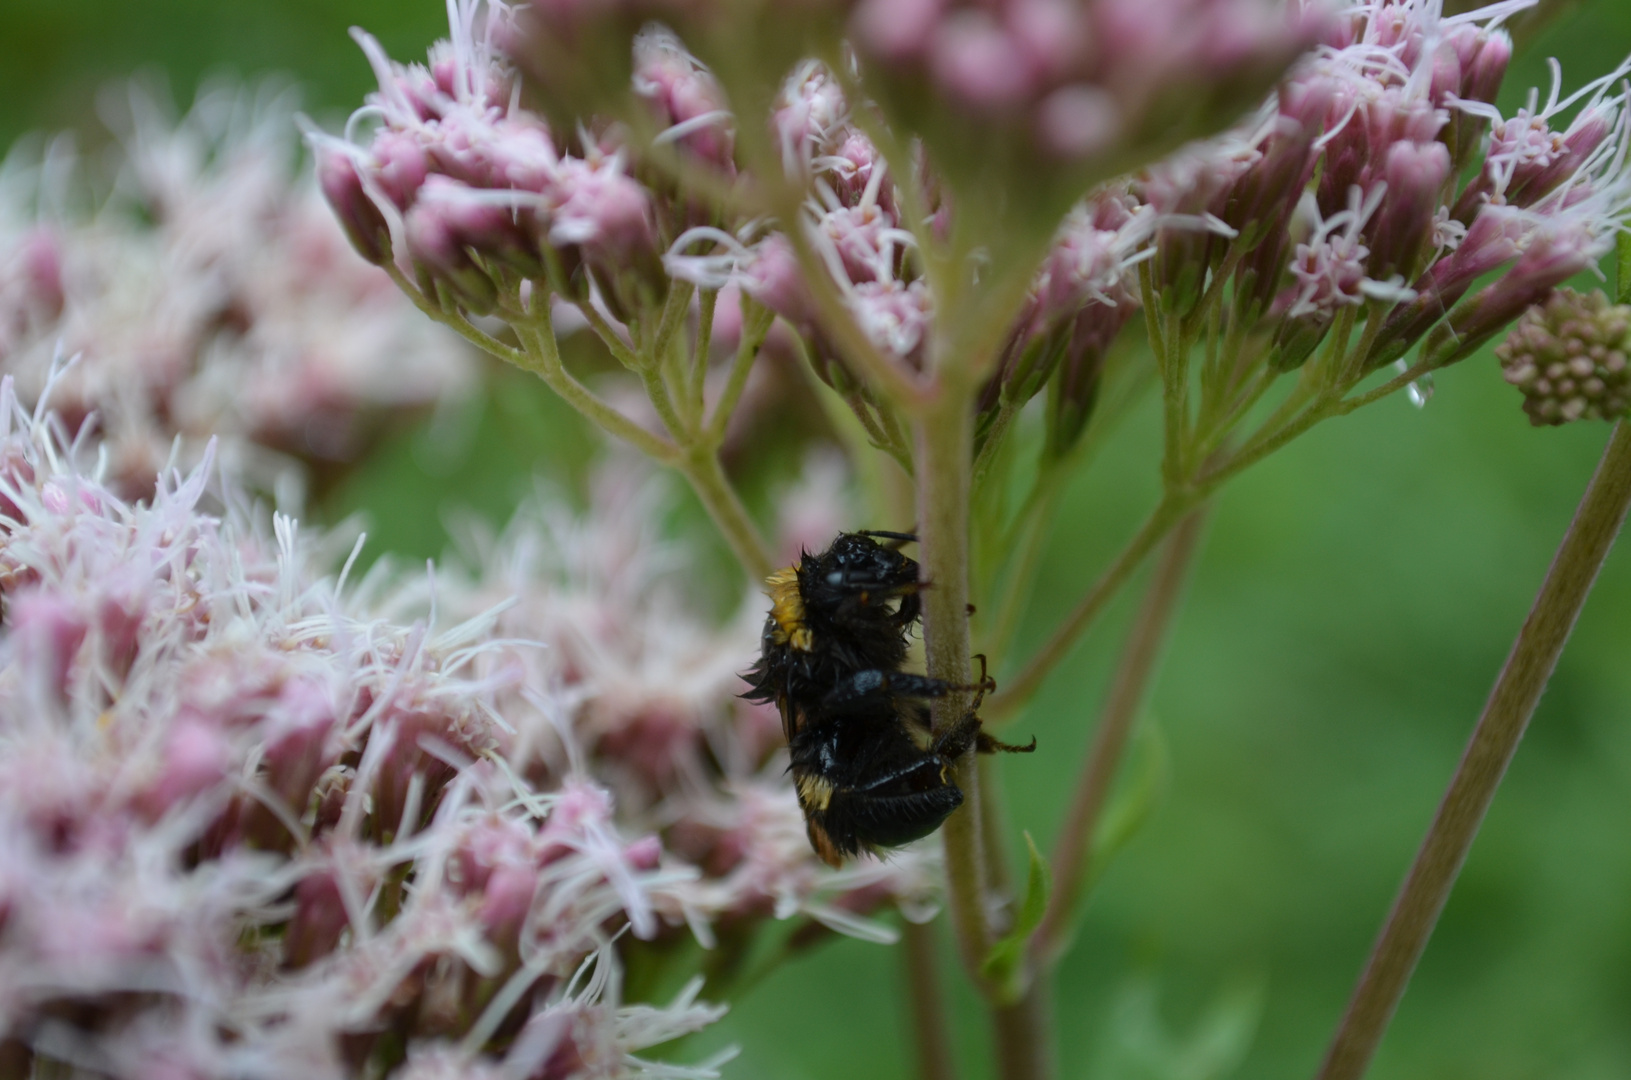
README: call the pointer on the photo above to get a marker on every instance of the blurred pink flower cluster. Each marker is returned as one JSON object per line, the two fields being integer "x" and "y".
{"x": 261, "y": 820}
{"x": 1080, "y": 78}
{"x": 206, "y": 291}
{"x": 457, "y": 166}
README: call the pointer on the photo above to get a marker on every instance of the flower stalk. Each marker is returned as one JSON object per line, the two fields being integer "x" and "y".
{"x": 1073, "y": 852}
{"x": 1494, "y": 741}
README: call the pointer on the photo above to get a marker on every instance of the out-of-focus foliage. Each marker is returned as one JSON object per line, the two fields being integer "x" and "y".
{"x": 1354, "y": 601}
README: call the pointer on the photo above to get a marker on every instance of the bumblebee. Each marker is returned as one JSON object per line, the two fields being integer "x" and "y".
{"x": 868, "y": 770}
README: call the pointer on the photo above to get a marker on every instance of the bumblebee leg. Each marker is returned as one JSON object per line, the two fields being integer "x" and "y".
{"x": 988, "y": 744}
{"x": 956, "y": 742}
{"x": 865, "y": 689}
{"x": 905, "y": 538}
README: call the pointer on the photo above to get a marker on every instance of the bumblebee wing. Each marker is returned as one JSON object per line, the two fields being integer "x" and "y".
{"x": 822, "y": 843}
{"x": 792, "y": 716}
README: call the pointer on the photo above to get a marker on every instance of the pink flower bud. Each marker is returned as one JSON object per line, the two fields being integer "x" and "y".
{"x": 399, "y": 166}
{"x": 298, "y": 745}
{"x": 196, "y": 758}
{"x": 1077, "y": 121}
{"x": 48, "y": 630}
{"x": 1402, "y": 226}
{"x": 1483, "y": 75}
{"x": 773, "y": 278}
{"x": 441, "y": 259}
{"x": 362, "y": 221}
{"x": 1051, "y": 33}
{"x": 319, "y": 920}
{"x": 600, "y": 209}
{"x": 896, "y": 30}
{"x": 976, "y": 62}
{"x": 1552, "y": 257}
{"x": 41, "y": 256}
{"x": 119, "y": 615}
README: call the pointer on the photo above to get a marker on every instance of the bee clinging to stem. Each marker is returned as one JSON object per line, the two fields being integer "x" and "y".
{"x": 868, "y": 768}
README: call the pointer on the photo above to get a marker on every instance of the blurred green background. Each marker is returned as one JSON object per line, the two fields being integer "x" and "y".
{"x": 1354, "y": 600}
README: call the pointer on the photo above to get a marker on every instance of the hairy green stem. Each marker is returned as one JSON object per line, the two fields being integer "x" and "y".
{"x": 931, "y": 1028}
{"x": 1024, "y": 1038}
{"x": 945, "y": 443}
{"x": 944, "y": 434}
{"x": 540, "y": 356}
{"x": 1494, "y": 741}
{"x": 1073, "y": 851}
{"x": 756, "y": 322}
{"x": 696, "y": 389}
{"x": 701, "y": 467}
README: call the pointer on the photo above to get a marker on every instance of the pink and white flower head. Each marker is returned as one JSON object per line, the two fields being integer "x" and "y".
{"x": 687, "y": 101}
{"x": 445, "y": 170}
{"x": 210, "y": 290}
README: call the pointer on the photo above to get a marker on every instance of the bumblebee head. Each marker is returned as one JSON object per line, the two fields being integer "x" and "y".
{"x": 857, "y": 574}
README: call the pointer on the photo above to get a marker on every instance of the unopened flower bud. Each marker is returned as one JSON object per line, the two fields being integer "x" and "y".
{"x": 362, "y": 221}
{"x": 774, "y": 279}
{"x": 41, "y": 257}
{"x": 319, "y": 920}
{"x": 1481, "y": 78}
{"x": 1403, "y": 225}
{"x": 1568, "y": 357}
{"x": 444, "y": 265}
{"x": 1074, "y": 390}
{"x": 195, "y": 758}
{"x": 1550, "y": 260}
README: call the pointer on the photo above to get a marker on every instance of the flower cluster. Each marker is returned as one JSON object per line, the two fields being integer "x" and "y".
{"x": 478, "y": 194}
{"x": 1363, "y": 152}
{"x": 1568, "y": 357}
{"x": 1080, "y": 80}
{"x": 257, "y": 820}
{"x": 208, "y": 291}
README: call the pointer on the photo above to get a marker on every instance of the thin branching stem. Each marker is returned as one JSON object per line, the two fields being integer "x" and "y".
{"x": 1494, "y": 741}
{"x": 608, "y": 335}
{"x": 756, "y": 322}
{"x": 540, "y": 356}
{"x": 1073, "y": 851}
{"x": 696, "y": 391}
{"x": 707, "y": 476}
{"x": 931, "y": 1027}
{"x": 1015, "y": 693}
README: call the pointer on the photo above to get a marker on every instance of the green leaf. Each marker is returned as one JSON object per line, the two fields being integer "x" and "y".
{"x": 1622, "y": 280}
{"x": 1006, "y": 959}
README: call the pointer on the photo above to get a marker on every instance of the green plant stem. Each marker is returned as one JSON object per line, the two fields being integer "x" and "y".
{"x": 698, "y": 462}
{"x": 1016, "y": 692}
{"x": 945, "y": 442}
{"x": 540, "y": 356}
{"x": 944, "y": 436}
{"x": 621, "y": 351}
{"x": 700, "y": 465}
{"x": 756, "y": 322}
{"x": 1495, "y": 739}
{"x": 1023, "y": 1035}
{"x": 696, "y": 390}
{"x": 1073, "y": 851}
{"x": 931, "y": 1028}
